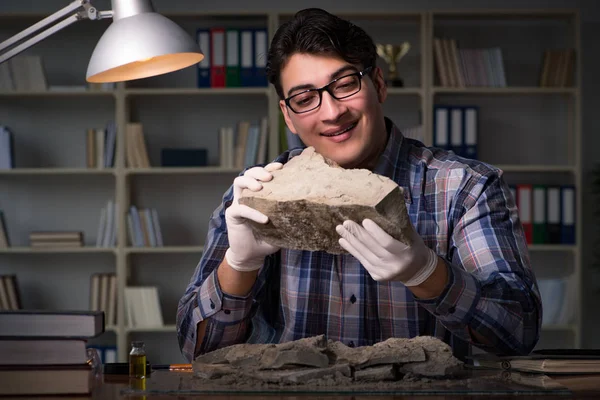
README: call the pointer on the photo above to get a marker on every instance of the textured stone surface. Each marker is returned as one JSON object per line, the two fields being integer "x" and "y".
{"x": 310, "y": 195}
{"x": 317, "y": 361}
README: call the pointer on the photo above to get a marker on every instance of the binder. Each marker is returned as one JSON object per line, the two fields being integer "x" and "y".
{"x": 567, "y": 214}
{"x": 203, "y": 38}
{"x": 539, "y": 215}
{"x": 260, "y": 57}
{"x": 456, "y": 131}
{"x": 470, "y": 136}
{"x": 524, "y": 197}
{"x": 217, "y": 57}
{"x": 232, "y": 77}
{"x": 246, "y": 58}
{"x": 553, "y": 214}
{"x": 441, "y": 122}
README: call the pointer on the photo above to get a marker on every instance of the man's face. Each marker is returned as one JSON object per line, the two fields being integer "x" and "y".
{"x": 350, "y": 131}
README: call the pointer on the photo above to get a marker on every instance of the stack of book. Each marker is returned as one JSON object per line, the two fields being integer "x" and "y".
{"x": 44, "y": 352}
{"x": 100, "y": 146}
{"x": 143, "y": 227}
{"x": 56, "y": 239}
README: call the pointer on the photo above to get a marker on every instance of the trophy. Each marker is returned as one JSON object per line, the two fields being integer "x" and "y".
{"x": 392, "y": 54}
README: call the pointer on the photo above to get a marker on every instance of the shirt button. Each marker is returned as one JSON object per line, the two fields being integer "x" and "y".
{"x": 452, "y": 309}
{"x": 212, "y": 305}
{"x": 351, "y": 344}
{"x": 353, "y": 299}
{"x": 227, "y": 312}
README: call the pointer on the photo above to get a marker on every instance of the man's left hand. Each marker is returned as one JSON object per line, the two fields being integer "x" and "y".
{"x": 385, "y": 258}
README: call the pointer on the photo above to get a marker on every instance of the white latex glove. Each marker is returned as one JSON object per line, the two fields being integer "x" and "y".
{"x": 385, "y": 258}
{"x": 245, "y": 253}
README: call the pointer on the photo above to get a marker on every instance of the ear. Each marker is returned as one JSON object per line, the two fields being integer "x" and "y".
{"x": 286, "y": 116}
{"x": 379, "y": 83}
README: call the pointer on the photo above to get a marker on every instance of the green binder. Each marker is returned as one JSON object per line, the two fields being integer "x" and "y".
{"x": 232, "y": 62}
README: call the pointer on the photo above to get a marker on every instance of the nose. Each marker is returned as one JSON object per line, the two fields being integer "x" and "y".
{"x": 331, "y": 109}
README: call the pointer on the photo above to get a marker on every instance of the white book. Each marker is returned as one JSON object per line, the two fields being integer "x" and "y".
{"x": 111, "y": 310}
{"x": 137, "y": 227}
{"x": 441, "y": 128}
{"x": 101, "y": 228}
{"x": 110, "y": 219}
{"x": 261, "y": 156}
{"x": 150, "y": 226}
{"x": 156, "y": 225}
{"x": 152, "y": 303}
{"x": 4, "y": 302}
{"x": 6, "y": 161}
{"x": 20, "y": 74}
{"x": 100, "y": 144}
{"x": 37, "y": 76}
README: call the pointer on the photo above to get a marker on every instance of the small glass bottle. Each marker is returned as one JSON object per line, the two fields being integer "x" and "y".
{"x": 137, "y": 360}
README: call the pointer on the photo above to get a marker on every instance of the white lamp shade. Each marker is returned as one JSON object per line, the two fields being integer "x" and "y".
{"x": 141, "y": 46}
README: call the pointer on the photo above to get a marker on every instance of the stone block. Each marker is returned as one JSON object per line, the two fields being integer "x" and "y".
{"x": 311, "y": 195}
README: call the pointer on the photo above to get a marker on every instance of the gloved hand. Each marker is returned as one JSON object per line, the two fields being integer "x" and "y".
{"x": 386, "y": 258}
{"x": 245, "y": 253}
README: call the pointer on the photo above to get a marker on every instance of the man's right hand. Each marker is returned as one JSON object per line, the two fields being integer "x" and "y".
{"x": 245, "y": 252}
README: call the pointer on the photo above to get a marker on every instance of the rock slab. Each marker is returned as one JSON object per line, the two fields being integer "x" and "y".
{"x": 311, "y": 195}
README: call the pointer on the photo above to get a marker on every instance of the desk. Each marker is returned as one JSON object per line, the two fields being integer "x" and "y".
{"x": 166, "y": 385}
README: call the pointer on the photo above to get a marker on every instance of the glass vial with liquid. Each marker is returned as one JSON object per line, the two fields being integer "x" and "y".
{"x": 137, "y": 360}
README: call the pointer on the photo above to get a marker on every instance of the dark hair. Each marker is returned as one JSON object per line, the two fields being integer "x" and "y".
{"x": 315, "y": 31}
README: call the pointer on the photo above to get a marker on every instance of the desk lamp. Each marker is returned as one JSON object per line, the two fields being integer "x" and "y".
{"x": 138, "y": 44}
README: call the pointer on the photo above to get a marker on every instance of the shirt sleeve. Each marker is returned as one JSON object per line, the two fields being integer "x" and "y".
{"x": 203, "y": 298}
{"x": 491, "y": 288}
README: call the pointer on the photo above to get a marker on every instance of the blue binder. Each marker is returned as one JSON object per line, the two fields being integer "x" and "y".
{"x": 203, "y": 38}
{"x": 567, "y": 214}
{"x": 246, "y": 57}
{"x": 260, "y": 57}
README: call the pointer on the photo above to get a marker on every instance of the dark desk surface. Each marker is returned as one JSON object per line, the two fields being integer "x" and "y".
{"x": 181, "y": 385}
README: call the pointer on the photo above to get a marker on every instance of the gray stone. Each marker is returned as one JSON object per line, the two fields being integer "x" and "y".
{"x": 377, "y": 374}
{"x": 214, "y": 371}
{"x": 311, "y": 195}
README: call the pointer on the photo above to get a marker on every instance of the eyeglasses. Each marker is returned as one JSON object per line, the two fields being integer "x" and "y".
{"x": 339, "y": 88}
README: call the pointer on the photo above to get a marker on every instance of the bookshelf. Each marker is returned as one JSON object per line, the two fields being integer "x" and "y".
{"x": 50, "y": 188}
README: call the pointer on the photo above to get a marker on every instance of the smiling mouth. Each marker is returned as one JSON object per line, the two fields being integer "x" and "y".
{"x": 352, "y": 126}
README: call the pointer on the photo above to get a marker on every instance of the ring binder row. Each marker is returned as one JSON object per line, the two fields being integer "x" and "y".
{"x": 455, "y": 128}
{"x": 232, "y": 57}
{"x": 547, "y": 212}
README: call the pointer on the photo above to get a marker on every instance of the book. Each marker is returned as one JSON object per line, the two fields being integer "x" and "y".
{"x": 547, "y": 361}
{"x": 45, "y": 380}
{"x": 42, "y": 352}
{"x": 51, "y": 323}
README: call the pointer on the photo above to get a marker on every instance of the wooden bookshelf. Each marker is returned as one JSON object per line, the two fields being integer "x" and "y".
{"x": 176, "y": 112}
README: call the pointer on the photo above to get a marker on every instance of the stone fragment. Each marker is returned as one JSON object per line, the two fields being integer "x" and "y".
{"x": 237, "y": 354}
{"x": 214, "y": 371}
{"x": 275, "y": 358}
{"x": 390, "y": 351}
{"x": 377, "y": 374}
{"x": 311, "y": 195}
{"x": 440, "y": 360}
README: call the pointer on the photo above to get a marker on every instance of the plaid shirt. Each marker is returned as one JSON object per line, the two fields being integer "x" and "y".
{"x": 462, "y": 209}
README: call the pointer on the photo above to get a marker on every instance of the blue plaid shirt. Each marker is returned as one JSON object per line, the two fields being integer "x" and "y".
{"x": 462, "y": 209}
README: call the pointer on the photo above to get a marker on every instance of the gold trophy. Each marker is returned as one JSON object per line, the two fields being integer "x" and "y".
{"x": 392, "y": 54}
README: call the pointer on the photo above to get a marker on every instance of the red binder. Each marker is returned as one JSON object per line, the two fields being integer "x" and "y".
{"x": 217, "y": 58}
{"x": 525, "y": 207}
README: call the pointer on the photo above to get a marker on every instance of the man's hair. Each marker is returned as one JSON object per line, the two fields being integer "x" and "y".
{"x": 317, "y": 32}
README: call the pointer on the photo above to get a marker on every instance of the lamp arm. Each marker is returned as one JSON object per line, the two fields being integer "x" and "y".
{"x": 76, "y": 11}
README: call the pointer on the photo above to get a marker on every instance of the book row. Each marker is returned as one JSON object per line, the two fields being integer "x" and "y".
{"x": 232, "y": 57}
{"x": 100, "y": 146}
{"x": 244, "y": 146}
{"x": 10, "y": 297}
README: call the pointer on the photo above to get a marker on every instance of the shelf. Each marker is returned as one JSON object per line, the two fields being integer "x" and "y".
{"x": 524, "y": 90}
{"x": 165, "y": 249}
{"x": 181, "y": 171}
{"x": 57, "y": 171}
{"x": 405, "y": 91}
{"x": 59, "y": 93}
{"x": 536, "y": 168}
{"x": 164, "y": 328}
{"x": 59, "y": 250}
{"x": 552, "y": 247}
{"x": 198, "y": 91}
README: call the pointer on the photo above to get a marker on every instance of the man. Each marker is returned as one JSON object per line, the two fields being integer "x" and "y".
{"x": 466, "y": 279}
